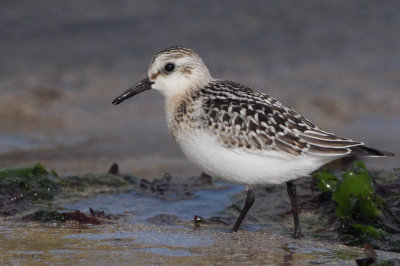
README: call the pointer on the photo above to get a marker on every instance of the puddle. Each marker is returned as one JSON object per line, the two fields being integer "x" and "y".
{"x": 206, "y": 203}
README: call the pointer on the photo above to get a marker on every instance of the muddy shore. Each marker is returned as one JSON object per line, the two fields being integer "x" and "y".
{"x": 121, "y": 218}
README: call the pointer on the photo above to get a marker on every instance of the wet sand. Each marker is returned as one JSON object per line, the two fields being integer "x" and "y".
{"x": 120, "y": 219}
{"x": 139, "y": 244}
{"x": 146, "y": 229}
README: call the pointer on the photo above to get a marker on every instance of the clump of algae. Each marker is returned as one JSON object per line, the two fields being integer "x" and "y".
{"x": 28, "y": 182}
{"x": 29, "y": 187}
{"x": 363, "y": 213}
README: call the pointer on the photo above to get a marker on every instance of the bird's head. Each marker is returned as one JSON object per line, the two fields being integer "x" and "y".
{"x": 172, "y": 71}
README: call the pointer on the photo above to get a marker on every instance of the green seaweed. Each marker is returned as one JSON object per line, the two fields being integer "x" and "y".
{"x": 356, "y": 197}
{"x": 24, "y": 187}
{"x": 37, "y": 183}
{"x": 362, "y": 212}
{"x": 23, "y": 171}
{"x": 327, "y": 181}
{"x": 369, "y": 231}
{"x": 354, "y": 193}
{"x": 32, "y": 182}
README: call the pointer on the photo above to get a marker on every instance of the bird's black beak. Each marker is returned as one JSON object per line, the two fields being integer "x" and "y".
{"x": 143, "y": 85}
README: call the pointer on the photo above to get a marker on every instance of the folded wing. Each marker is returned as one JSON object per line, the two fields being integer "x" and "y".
{"x": 248, "y": 120}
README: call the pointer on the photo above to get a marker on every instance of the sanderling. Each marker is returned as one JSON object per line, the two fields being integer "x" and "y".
{"x": 238, "y": 134}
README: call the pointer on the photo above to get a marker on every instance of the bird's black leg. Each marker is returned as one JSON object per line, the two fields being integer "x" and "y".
{"x": 250, "y": 198}
{"x": 291, "y": 189}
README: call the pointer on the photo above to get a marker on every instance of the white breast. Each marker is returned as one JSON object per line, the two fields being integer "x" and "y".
{"x": 239, "y": 166}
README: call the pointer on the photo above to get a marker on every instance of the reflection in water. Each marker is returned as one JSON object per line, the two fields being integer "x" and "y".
{"x": 287, "y": 255}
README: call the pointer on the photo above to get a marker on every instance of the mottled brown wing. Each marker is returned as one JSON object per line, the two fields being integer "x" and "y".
{"x": 246, "y": 119}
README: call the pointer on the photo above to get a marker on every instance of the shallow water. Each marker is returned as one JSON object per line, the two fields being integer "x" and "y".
{"x": 142, "y": 244}
{"x": 137, "y": 236}
{"x": 207, "y": 203}
{"x": 135, "y": 239}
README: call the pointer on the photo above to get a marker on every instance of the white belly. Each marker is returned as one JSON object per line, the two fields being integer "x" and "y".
{"x": 238, "y": 166}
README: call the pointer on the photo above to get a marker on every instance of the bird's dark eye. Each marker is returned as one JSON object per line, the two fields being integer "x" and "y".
{"x": 169, "y": 67}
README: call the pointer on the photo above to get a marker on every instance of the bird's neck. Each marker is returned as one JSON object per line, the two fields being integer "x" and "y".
{"x": 173, "y": 104}
{"x": 182, "y": 112}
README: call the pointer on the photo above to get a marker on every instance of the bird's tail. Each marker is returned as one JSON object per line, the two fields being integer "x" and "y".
{"x": 367, "y": 151}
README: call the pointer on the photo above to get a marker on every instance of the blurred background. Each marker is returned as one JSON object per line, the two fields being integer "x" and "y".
{"x": 63, "y": 62}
